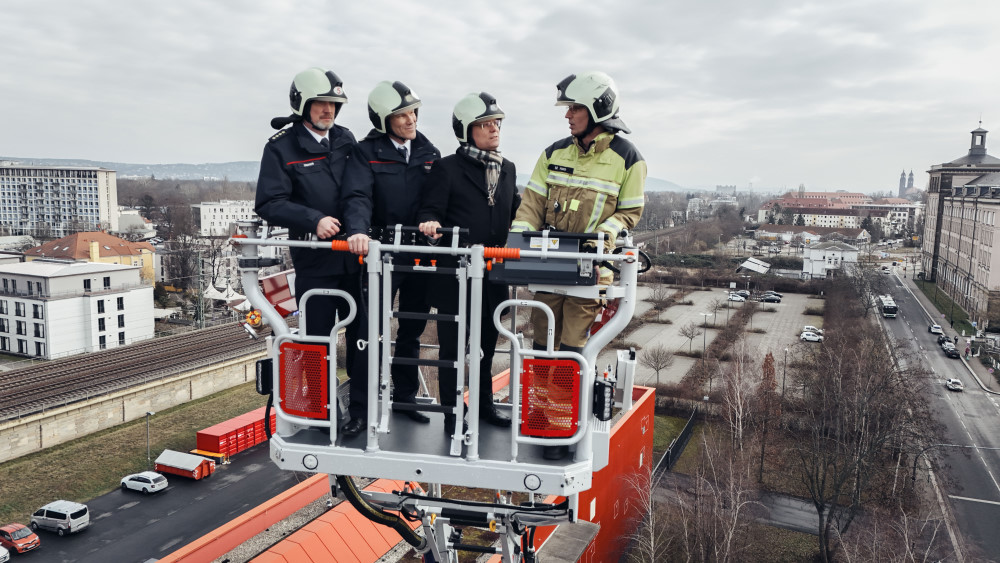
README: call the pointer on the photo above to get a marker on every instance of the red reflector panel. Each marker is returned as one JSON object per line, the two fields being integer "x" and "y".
{"x": 303, "y": 380}
{"x": 550, "y": 393}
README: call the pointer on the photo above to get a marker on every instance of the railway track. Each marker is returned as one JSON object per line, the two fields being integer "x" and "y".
{"x": 60, "y": 382}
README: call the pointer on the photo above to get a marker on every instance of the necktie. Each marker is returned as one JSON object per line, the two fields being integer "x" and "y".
{"x": 402, "y": 151}
{"x": 325, "y": 142}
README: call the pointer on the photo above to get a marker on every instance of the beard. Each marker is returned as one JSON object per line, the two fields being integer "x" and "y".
{"x": 322, "y": 125}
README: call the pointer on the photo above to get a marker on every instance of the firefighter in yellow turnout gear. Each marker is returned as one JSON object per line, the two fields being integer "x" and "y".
{"x": 592, "y": 181}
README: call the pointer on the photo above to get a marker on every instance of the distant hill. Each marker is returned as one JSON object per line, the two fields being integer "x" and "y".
{"x": 658, "y": 185}
{"x": 243, "y": 171}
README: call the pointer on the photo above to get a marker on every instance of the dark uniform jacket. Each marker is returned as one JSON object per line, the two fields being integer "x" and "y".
{"x": 456, "y": 195}
{"x": 300, "y": 183}
{"x": 380, "y": 187}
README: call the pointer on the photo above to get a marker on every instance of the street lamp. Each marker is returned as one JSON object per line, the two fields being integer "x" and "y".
{"x": 149, "y": 459}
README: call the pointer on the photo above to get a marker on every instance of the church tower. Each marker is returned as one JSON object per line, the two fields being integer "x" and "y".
{"x": 902, "y": 183}
{"x": 909, "y": 182}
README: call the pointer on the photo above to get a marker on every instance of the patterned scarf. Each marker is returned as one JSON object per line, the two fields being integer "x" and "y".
{"x": 492, "y": 160}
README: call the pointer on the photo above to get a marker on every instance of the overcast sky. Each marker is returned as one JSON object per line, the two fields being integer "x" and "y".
{"x": 835, "y": 95}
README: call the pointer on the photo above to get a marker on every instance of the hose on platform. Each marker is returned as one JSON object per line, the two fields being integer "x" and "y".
{"x": 378, "y": 515}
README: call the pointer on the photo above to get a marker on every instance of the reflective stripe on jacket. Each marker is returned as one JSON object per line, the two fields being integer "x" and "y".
{"x": 600, "y": 189}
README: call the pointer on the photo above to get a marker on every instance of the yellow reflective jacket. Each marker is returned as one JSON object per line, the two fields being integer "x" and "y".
{"x": 585, "y": 191}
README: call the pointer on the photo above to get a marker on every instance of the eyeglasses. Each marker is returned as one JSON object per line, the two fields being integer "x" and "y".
{"x": 487, "y": 125}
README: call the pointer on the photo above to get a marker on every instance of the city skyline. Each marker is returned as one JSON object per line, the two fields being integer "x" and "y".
{"x": 776, "y": 94}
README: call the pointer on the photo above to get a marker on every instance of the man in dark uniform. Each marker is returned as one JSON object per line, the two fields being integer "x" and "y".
{"x": 474, "y": 189}
{"x": 300, "y": 188}
{"x": 382, "y": 186}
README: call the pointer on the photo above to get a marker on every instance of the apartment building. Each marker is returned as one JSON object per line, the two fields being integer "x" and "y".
{"x": 960, "y": 249}
{"x": 56, "y": 308}
{"x": 56, "y": 200}
{"x": 215, "y": 218}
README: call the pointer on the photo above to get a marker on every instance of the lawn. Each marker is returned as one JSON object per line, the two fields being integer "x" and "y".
{"x": 93, "y": 465}
{"x": 947, "y": 309}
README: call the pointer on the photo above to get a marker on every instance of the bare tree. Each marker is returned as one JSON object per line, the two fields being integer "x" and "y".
{"x": 717, "y": 305}
{"x": 868, "y": 282}
{"x": 715, "y": 525}
{"x": 652, "y": 540}
{"x": 659, "y": 296}
{"x": 657, "y": 358}
{"x": 767, "y": 401}
{"x": 740, "y": 380}
{"x": 857, "y": 406}
{"x": 896, "y": 535}
{"x": 690, "y": 331}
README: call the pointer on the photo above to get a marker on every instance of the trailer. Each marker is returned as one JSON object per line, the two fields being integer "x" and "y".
{"x": 185, "y": 465}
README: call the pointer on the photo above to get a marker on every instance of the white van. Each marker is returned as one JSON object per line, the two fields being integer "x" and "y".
{"x": 62, "y": 517}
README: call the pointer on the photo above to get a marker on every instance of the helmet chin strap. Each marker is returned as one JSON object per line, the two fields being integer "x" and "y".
{"x": 591, "y": 125}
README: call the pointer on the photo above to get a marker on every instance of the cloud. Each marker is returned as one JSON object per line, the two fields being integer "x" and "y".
{"x": 834, "y": 95}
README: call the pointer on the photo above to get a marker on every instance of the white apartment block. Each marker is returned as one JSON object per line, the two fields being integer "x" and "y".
{"x": 56, "y": 308}
{"x": 694, "y": 207}
{"x": 56, "y": 200}
{"x": 828, "y": 259}
{"x": 215, "y": 218}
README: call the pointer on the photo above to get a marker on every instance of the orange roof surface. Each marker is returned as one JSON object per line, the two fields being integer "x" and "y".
{"x": 77, "y": 247}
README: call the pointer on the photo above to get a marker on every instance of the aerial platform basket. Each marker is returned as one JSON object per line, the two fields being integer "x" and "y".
{"x": 547, "y": 410}
{"x": 554, "y": 397}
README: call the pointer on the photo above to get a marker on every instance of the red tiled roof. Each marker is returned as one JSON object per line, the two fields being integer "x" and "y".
{"x": 77, "y": 247}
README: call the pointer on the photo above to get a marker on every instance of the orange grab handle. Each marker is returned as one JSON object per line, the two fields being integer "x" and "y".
{"x": 497, "y": 252}
{"x": 339, "y": 245}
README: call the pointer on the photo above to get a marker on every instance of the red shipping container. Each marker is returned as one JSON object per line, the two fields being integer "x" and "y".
{"x": 186, "y": 465}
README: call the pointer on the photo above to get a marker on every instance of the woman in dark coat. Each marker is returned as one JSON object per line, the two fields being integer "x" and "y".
{"x": 474, "y": 189}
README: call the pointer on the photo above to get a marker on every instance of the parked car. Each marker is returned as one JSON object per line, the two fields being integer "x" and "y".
{"x": 774, "y": 250}
{"x": 811, "y": 328}
{"x": 950, "y": 350}
{"x": 935, "y": 329}
{"x": 147, "y": 482}
{"x": 734, "y": 297}
{"x": 18, "y": 538}
{"x": 810, "y": 337}
{"x": 954, "y": 385}
{"x": 942, "y": 339}
{"x": 742, "y": 293}
{"x": 772, "y": 292}
{"x": 4, "y": 555}
{"x": 771, "y": 299}
{"x": 62, "y": 517}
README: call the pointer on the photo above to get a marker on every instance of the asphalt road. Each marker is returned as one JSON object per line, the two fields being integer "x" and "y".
{"x": 970, "y": 419}
{"x": 128, "y": 527}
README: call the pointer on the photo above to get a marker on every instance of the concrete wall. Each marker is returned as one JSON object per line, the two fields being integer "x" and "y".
{"x": 42, "y": 430}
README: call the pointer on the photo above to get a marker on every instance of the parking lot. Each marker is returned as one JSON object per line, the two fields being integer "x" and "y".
{"x": 781, "y": 329}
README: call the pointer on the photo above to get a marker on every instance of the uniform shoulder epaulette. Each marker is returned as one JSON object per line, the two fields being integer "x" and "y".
{"x": 278, "y": 135}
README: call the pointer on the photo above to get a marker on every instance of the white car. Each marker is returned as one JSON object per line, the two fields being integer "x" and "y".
{"x": 935, "y": 329}
{"x": 954, "y": 385}
{"x": 811, "y": 337}
{"x": 147, "y": 482}
{"x": 734, "y": 297}
{"x": 4, "y": 555}
{"x": 811, "y": 328}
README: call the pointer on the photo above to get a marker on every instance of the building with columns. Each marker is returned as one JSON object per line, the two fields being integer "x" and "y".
{"x": 961, "y": 249}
